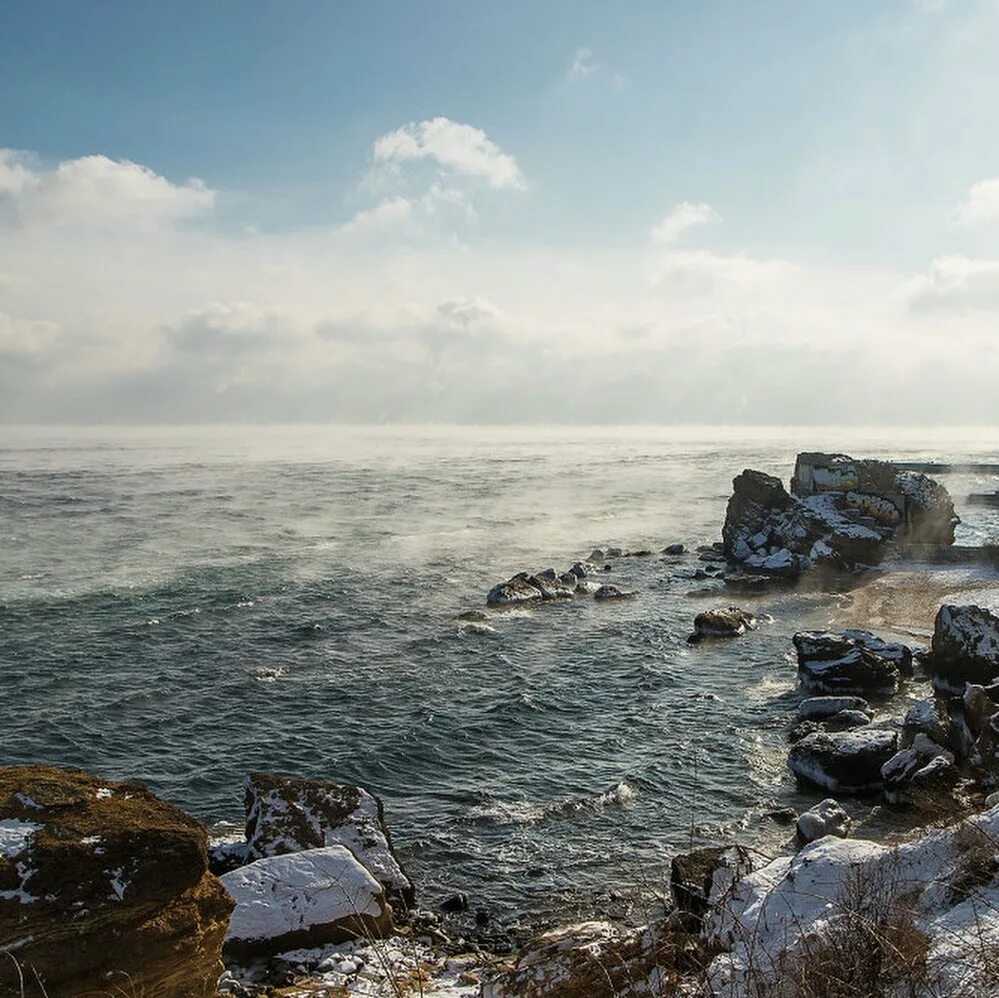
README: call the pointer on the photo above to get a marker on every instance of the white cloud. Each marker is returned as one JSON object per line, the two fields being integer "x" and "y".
{"x": 95, "y": 190}
{"x": 956, "y": 283}
{"x": 683, "y": 217}
{"x": 699, "y": 271}
{"x": 981, "y": 204}
{"x": 584, "y": 64}
{"x": 460, "y": 149}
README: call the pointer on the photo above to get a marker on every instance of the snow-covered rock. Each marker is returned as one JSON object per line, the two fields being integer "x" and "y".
{"x": 788, "y": 920}
{"x": 303, "y": 899}
{"x": 926, "y": 717}
{"x": 965, "y": 646}
{"x": 521, "y": 588}
{"x": 724, "y": 622}
{"x": 818, "y": 708}
{"x": 854, "y": 661}
{"x": 700, "y": 877}
{"x": 285, "y": 814}
{"x": 843, "y": 762}
{"x": 825, "y": 818}
{"x": 843, "y": 513}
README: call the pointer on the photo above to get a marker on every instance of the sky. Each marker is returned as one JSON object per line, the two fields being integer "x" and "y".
{"x": 483, "y": 212}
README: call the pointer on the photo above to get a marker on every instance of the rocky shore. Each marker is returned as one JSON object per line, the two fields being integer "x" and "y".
{"x": 105, "y": 889}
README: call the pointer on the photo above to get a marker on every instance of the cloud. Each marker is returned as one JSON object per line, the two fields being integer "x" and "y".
{"x": 981, "y": 205}
{"x": 459, "y": 149}
{"x": 95, "y": 190}
{"x": 683, "y": 217}
{"x": 955, "y": 283}
{"x": 584, "y": 65}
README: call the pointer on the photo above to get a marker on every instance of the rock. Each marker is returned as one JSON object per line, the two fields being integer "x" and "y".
{"x": 830, "y": 522}
{"x": 285, "y": 814}
{"x": 783, "y": 816}
{"x": 581, "y": 569}
{"x": 455, "y": 903}
{"x": 613, "y": 553}
{"x": 674, "y": 549}
{"x": 845, "y": 720}
{"x": 965, "y": 646}
{"x": 103, "y": 885}
{"x": 698, "y": 878}
{"x": 724, "y": 622}
{"x": 521, "y": 588}
{"x": 590, "y": 960}
{"x": 825, "y": 818}
{"x": 641, "y": 553}
{"x": 819, "y": 708}
{"x": 226, "y": 856}
{"x": 902, "y": 768}
{"x": 923, "y": 717}
{"x": 844, "y": 762}
{"x": 597, "y": 556}
{"x": 611, "y": 592}
{"x": 852, "y": 662}
{"x": 304, "y": 899}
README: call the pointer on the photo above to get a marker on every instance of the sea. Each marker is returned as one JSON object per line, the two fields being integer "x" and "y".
{"x": 183, "y": 606}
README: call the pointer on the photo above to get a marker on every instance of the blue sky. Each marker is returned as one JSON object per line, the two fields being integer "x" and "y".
{"x": 817, "y": 165}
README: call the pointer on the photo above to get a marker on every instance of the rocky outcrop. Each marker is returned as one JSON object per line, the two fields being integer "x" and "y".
{"x": 965, "y": 646}
{"x": 846, "y": 762}
{"x": 698, "y": 878}
{"x": 825, "y": 818}
{"x": 304, "y": 899}
{"x": 285, "y": 814}
{"x": 723, "y": 622}
{"x": 852, "y": 662}
{"x": 104, "y": 887}
{"x": 842, "y": 913}
{"x": 591, "y": 960}
{"x": 842, "y": 513}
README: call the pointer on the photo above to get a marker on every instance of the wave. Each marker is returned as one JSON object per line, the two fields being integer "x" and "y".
{"x": 527, "y": 813}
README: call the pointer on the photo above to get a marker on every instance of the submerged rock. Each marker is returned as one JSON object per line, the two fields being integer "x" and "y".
{"x": 724, "y": 622}
{"x": 611, "y": 592}
{"x": 304, "y": 899}
{"x": 285, "y": 815}
{"x": 104, "y": 886}
{"x": 852, "y": 662}
{"x": 843, "y": 513}
{"x": 844, "y": 762}
{"x": 825, "y": 818}
{"x": 965, "y": 646}
{"x": 674, "y": 549}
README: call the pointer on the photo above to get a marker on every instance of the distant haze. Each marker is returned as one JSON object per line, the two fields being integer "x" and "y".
{"x": 500, "y": 213}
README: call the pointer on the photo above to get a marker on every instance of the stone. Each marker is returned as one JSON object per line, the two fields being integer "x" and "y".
{"x": 611, "y": 592}
{"x": 285, "y": 814}
{"x": 723, "y": 622}
{"x": 455, "y": 903}
{"x": 303, "y": 899}
{"x": 844, "y": 762}
{"x": 852, "y": 662}
{"x": 581, "y": 569}
{"x": 965, "y": 647}
{"x": 819, "y": 708}
{"x": 521, "y": 588}
{"x": 825, "y": 818}
{"x": 924, "y": 717}
{"x": 104, "y": 886}
{"x": 698, "y": 878}
{"x": 674, "y": 549}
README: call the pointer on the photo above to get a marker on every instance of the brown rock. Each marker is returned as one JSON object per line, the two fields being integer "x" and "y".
{"x": 112, "y": 888}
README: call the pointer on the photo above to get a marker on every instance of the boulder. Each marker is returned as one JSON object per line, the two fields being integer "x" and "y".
{"x": 724, "y": 622}
{"x": 104, "y": 888}
{"x": 674, "y": 549}
{"x": 304, "y": 899}
{"x": 925, "y": 717}
{"x": 285, "y": 814}
{"x": 852, "y": 662}
{"x": 819, "y": 708}
{"x": 521, "y": 588}
{"x": 844, "y": 762}
{"x": 825, "y": 818}
{"x": 843, "y": 514}
{"x": 590, "y": 960}
{"x": 698, "y": 878}
{"x": 611, "y": 592}
{"x": 965, "y": 646}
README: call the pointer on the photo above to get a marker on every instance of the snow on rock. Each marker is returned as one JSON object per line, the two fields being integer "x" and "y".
{"x": 285, "y": 814}
{"x": 303, "y": 899}
{"x": 843, "y": 896}
{"x": 819, "y": 708}
{"x": 965, "y": 646}
{"x": 521, "y": 588}
{"x": 825, "y": 818}
{"x": 698, "y": 878}
{"x": 843, "y": 512}
{"x": 843, "y": 762}
{"x": 854, "y": 661}
{"x": 15, "y": 835}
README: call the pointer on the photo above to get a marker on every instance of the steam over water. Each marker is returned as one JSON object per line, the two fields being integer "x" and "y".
{"x": 184, "y": 606}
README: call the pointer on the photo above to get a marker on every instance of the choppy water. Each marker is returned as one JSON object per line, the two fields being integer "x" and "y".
{"x": 184, "y": 606}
